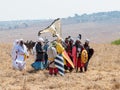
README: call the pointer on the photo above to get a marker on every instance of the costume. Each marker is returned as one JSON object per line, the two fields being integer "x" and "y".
{"x": 45, "y": 55}
{"x": 90, "y": 52}
{"x": 13, "y": 52}
{"x": 52, "y": 53}
{"x": 76, "y": 54}
{"x": 59, "y": 61}
{"x": 22, "y": 53}
{"x": 69, "y": 52}
{"x": 39, "y": 62}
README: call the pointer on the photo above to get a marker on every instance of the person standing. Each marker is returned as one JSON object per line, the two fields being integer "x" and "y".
{"x": 39, "y": 62}
{"x": 90, "y": 52}
{"x": 76, "y": 54}
{"x": 69, "y": 52}
{"x": 52, "y": 53}
{"x": 21, "y": 55}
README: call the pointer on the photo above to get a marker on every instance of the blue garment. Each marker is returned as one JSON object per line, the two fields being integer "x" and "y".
{"x": 38, "y": 65}
{"x": 45, "y": 55}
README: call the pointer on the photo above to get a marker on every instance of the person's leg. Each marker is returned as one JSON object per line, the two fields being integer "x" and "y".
{"x": 24, "y": 70}
{"x": 81, "y": 70}
{"x": 71, "y": 69}
{"x": 50, "y": 70}
{"x": 46, "y": 60}
{"x": 76, "y": 69}
{"x": 85, "y": 67}
{"x": 55, "y": 71}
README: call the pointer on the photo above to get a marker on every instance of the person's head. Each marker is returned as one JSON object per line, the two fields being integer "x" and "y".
{"x": 46, "y": 41}
{"x": 16, "y": 41}
{"x": 21, "y": 42}
{"x": 69, "y": 37}
{"x": 78, "y": 40}
{"x": 54, "y": 43}
{"x": 66, "y": 40}
{"x": 40, "y": 41}
{"x": 71, "y": 41}
{"x": 87, "y": 41}
{"x": 59, "y": 40}
{"x": 79, "y": 36}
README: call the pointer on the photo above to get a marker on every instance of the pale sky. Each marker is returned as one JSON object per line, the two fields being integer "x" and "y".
{"x": 47, "y": 9}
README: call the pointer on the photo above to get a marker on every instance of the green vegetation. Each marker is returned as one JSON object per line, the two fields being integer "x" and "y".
{"x": 116, "y": 42}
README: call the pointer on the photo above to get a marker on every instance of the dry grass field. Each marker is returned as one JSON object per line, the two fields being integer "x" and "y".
{"x": 103, "y": 72}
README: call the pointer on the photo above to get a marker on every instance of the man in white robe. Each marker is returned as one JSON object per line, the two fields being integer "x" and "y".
{"x": 21, "y": 51}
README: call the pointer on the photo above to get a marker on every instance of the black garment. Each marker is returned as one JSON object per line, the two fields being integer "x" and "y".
{"x": 87, "y": 47}
{"x": 90, "y": 53}
{"x": 39, "y": 52}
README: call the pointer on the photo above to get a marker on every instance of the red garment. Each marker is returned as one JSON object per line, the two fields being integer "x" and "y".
{"x": 70, "y": 55}
{"x": 74, "y": 55}
{"x": 77, "y": 61}
{"x": 53, "y": 70}
{"x": 68, "y": 64}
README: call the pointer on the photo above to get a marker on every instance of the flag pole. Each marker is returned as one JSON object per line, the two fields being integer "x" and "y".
{"x": 60, "y": 29}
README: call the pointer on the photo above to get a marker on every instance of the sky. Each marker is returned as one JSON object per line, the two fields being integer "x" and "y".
{"x": 51, "y": 9}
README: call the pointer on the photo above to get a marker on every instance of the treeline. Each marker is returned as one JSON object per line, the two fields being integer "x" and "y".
{"x": 7, "y": 25}
{"x": 101, "y": 17}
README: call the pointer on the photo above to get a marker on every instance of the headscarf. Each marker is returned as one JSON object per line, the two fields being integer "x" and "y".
{"x": 40, "y": 39}
{"x": 87, "y": 41}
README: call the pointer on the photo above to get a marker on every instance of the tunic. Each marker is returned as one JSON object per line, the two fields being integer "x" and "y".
{"x": 52, "y": 53}
{"x": 19, "y": 63}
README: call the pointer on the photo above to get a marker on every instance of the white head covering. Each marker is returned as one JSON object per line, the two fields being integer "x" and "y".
{"x": 78, "y": 39}
{"x": 21, "y": 39}
{"x": 87, "y": 40}
{"x": 16, "y": 42}
{"x": 40, "y": 39}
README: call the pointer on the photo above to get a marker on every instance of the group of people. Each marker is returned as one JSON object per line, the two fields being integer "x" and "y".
{"x": 79, "y": 53}
{"x": 51, "y": 55}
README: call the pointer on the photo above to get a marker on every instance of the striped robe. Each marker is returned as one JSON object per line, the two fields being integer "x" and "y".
{"x": 59, "y": 63}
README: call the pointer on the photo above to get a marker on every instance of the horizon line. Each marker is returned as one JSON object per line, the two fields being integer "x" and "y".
{"x": 43, "y": 19}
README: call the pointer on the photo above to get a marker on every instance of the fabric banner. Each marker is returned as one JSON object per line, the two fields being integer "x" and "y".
{"x": 54, "y": 28}
{"x": 59, "y": 63}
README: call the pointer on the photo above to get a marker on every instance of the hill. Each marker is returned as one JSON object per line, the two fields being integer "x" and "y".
{"x": 101, "y": 17}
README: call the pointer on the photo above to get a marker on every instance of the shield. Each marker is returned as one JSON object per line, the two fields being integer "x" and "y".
{"x": 84, "y": 56}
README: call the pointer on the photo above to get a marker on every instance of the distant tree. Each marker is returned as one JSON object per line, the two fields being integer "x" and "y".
{"x": 76, "y": 15}
{"x": 9, "y": 27}
{"x": 25, "y": 24}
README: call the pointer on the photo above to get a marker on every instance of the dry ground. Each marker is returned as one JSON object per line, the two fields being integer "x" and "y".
{"x": 103, "y": 73}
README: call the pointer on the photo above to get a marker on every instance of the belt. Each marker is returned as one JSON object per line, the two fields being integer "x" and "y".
{"x": 51, "y": 59}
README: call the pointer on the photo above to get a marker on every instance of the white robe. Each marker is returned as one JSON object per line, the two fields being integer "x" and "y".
{"x": 19, "y": 63}
{"x": 13, "y": 52}
{"x": 34, "y": 51}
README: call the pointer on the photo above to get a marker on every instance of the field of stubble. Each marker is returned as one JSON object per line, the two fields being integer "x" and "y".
{"x": 103, "y": 73}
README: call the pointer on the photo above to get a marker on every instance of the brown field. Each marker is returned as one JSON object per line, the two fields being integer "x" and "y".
{"x": 103, "y": 72}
